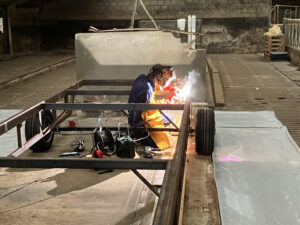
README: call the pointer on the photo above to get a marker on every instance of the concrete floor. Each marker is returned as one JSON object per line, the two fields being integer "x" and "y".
{"x": 15, "y": 69}
{"x": 30, "y": 92}
{"x": 57, "y": 197}
{"x": 250, "y": 83}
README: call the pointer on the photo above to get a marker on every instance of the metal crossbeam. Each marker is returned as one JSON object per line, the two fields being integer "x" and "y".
{"x": 120, "y": 106}
{"x": 59, "y": 129}
{"x": 150, "y": 186}
{"x": 97, "y": 92}
{"x": 84, "y": 163}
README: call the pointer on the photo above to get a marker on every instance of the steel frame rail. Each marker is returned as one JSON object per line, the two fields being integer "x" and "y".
{"x": 167, "y": 211}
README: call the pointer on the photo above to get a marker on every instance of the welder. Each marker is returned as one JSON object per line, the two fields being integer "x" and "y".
{"x": 143, "y": 90}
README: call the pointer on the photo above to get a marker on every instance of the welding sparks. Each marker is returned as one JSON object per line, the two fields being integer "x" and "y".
{"x": 180, "y": 89}
{"x": 186, "y": 90}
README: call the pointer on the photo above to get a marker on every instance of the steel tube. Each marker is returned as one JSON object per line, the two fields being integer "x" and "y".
{"x": 97, "y": 92}
{"x": 19, "y": 135}
{"x": 120, "y": 106}
{"x": 169, "y": 119}
{"x": 17, "y": 119}
{"x": 28, "y": 144}
{"x": 107, "y": 82}
{"x": 154, "y": 164}
{"x": 62, "y": 94}
{"x": 145, "y": 182}
{"x": 162, "y": 196}
{"x": 166, "y": 209}
{"x": 59, "y": 129}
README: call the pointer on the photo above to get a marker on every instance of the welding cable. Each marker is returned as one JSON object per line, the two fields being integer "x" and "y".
{"x": 144, "y": 123}
{"x": 127, "y": 126}
{"x": 134, "y": 140}
{"x": 78, "y": 145}
{"x": 18, "y": 189}
{"x": 4, "y": 188}
{"x": 140, "y": 139}
{"x": 105, "y": 151}
{"x": 21, "y": 207}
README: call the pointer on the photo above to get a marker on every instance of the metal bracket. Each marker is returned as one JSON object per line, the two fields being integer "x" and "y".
{"x": 150, "y": 186}
{"x": 169, "y": 119}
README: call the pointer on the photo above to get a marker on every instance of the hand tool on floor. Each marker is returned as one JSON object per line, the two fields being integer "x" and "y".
{"x": 150, "y": 151}
{"x": 69, "y": 154}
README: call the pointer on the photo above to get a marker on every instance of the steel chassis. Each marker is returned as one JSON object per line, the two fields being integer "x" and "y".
{"x": 167, "y": 211}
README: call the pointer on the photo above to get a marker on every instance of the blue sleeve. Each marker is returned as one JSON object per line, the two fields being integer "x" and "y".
{"x": 149, "y": 95}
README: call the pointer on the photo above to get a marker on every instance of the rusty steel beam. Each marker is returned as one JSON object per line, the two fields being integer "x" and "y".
{"x": 166, "y": 212}
{"x": 97, "y": 92}
{"x": 63, "y": 93}
{"x": 107, "y": 82}
{"x": 119, "y": 106}
{"x": 29, "y": 143}
{"x": 143, "y": 164}
{"x": 17, "y": 119}
{"x": 59, "y": 129}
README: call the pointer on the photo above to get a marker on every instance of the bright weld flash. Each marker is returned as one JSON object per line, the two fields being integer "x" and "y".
{"x": 185, "y": 91}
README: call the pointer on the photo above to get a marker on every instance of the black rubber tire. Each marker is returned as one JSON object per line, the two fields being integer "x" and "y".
{"x": 32, "y": 127}
{"x": 205, "y": 131}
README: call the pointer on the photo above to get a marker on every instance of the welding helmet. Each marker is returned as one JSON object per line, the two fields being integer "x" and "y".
{"x": 164, "y": 74}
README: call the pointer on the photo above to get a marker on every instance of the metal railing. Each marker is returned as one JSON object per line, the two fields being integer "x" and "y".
{"x": 291, "y": 28}
{"x": 280, "y": 12}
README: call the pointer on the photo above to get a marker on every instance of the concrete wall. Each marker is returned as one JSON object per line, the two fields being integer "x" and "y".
{"x": 234, "y": 35}
{"x": 229, "y": 26}
{"x": 25, "y": 29}
{"x": 160, "y": 9}
{"x": 235, "y": 26}
{"x": 125, "y": 55}
{"x": 224, "y": 35}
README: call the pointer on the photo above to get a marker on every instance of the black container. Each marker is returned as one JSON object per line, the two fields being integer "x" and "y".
{"x": 125, "y": 147}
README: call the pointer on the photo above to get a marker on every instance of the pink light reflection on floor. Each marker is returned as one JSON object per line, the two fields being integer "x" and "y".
{"x": 230, "y": 160}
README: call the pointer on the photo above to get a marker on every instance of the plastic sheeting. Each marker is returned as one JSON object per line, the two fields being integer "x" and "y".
{"x": 257, "y": 170}
{"x": 8, "y": 141}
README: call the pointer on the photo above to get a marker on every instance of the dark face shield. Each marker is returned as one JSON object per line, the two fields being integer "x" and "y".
{"x": 169, "y": 74}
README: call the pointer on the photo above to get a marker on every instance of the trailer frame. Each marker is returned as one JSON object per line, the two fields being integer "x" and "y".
{"x": 167, "y": 211}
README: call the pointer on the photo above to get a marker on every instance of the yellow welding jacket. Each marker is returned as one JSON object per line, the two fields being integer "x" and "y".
{"x": 153, "y": 119}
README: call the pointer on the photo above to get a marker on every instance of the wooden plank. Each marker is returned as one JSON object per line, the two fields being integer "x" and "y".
{"x": 216, "y": 83}
{"x": 209, "y": 98}
{"x": 219, "y": 96}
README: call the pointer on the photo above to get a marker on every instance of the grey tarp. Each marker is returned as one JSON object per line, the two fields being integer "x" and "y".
{"x": 257, "y": 170}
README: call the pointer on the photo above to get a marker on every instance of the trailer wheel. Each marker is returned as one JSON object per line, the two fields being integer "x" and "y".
{"x": 205, "y": 131}
{"x": 32, "y": 127}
